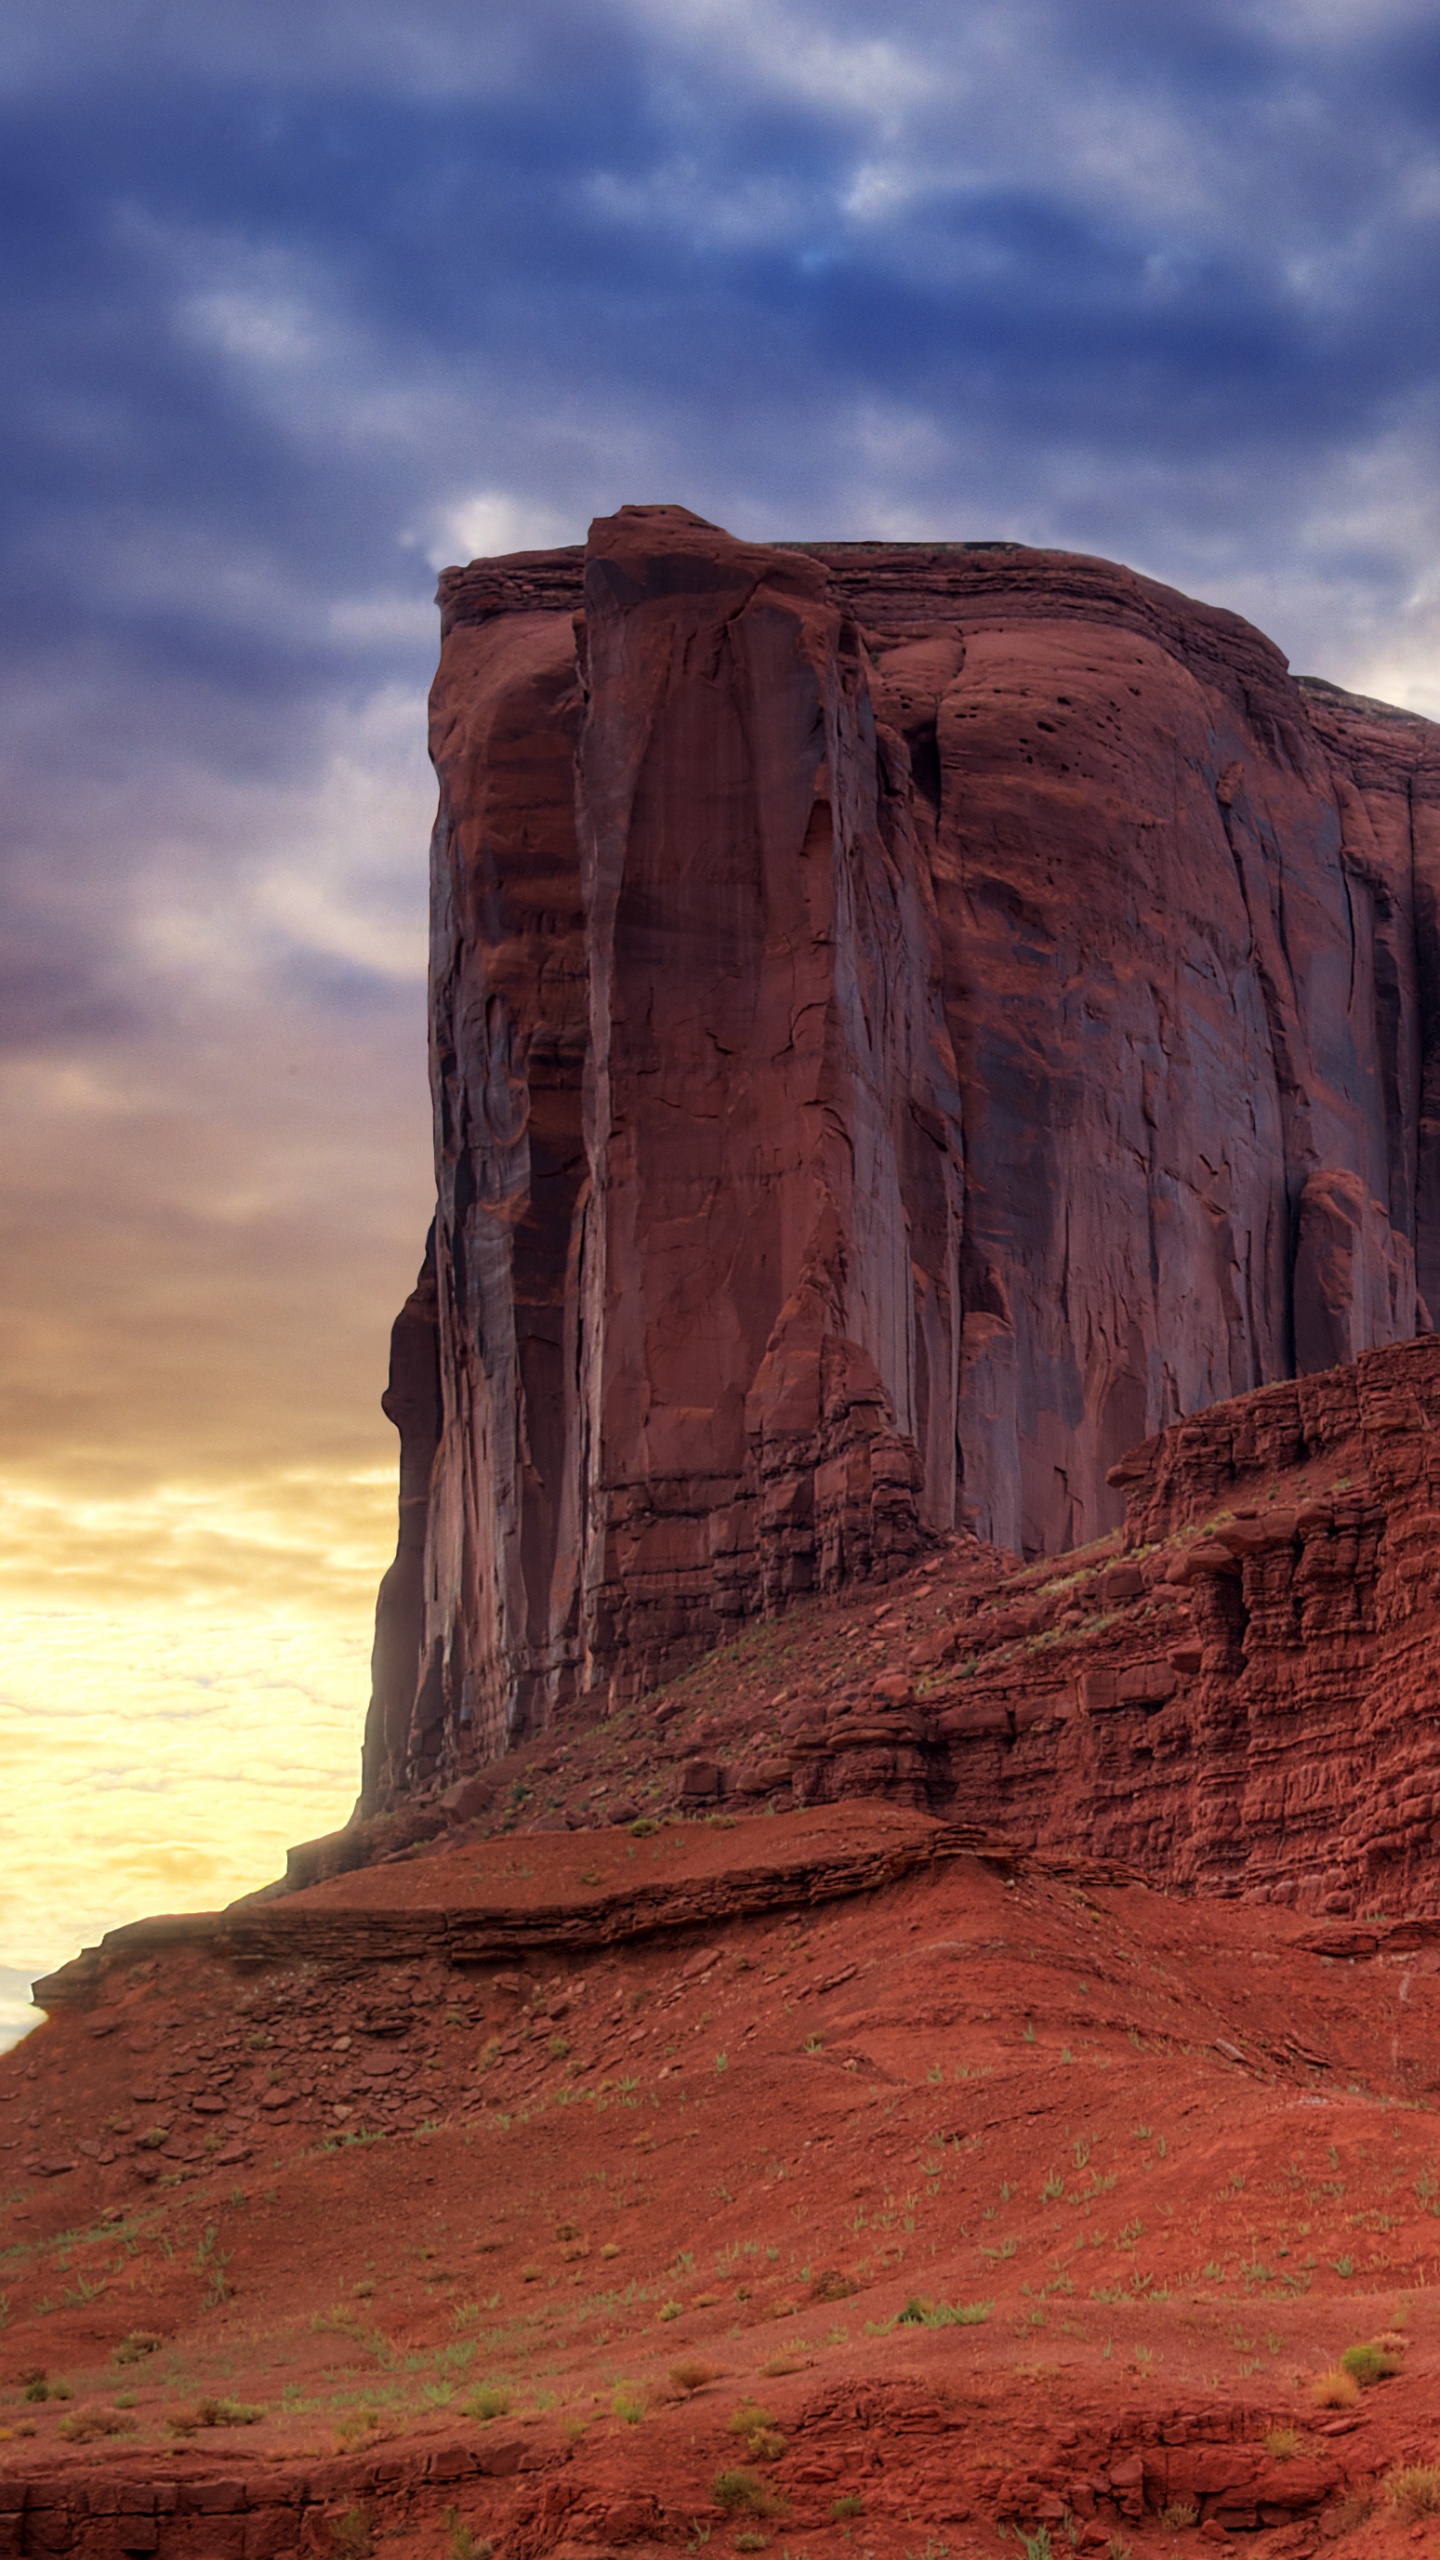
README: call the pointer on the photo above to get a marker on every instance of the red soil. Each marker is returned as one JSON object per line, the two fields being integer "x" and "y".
{"x": 1169, "y": 2157}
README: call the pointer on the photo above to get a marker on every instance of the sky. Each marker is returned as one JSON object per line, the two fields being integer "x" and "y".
{"x": 301, "y": 304}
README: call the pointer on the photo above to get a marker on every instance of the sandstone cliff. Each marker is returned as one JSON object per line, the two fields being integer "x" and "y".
{"x": 908, "y": 1021}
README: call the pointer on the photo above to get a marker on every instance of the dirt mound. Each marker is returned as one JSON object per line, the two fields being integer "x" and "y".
{"x": 797, "y": 2180}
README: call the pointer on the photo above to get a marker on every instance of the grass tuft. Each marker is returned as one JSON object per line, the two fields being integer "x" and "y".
{"x": 692, "y": 2374}
{"x": 743, "y": 2493}
{"x": 214, "y": 2413}
{"x": 1335, "y": 2389}
{"x": 86, "y": 2424}
{"x": 1415, "y": 2490}
{"x": 491, "y": 2400}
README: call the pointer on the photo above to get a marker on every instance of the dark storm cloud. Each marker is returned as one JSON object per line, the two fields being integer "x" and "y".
{"x": 268, "y": 324}
{"x": 297, "y": 304}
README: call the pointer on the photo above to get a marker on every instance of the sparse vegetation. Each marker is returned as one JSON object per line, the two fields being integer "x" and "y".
{"x": 1335, "y": 2389}
{"x": 490, "y": 2400}
{"x": 692, "y": 2374}
{"x": 1415, "y": 2490}
{"x": 921, "y": 2313}
{"x": 463, "y": 2543}
{"x": 1282, "y": 2443}
{"x": 743, "y": 2493}
{"x": 86, "y": 2424}
{"x": 1369, "y": 2364}
{"x": 214, "y": 2413}
{"x": 763, "y": 2439}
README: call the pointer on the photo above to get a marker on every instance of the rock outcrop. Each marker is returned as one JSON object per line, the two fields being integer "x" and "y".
{"x": 908, "y": 1020}
{"x": 1238, "y": 1695}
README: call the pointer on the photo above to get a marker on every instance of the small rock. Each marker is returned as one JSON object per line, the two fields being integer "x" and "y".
{"x": 701, "y": 1779}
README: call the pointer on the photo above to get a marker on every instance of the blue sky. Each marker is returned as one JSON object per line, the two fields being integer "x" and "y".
{"x": 300, "y": 304}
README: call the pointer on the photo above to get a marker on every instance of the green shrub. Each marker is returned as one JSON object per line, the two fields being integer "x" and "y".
{"x": 743, "y": 2493}
{"x": 1367, "y": 2365}
{"x": 763, "y": 2439}
{"x": 921, "y": 2313}
{"x": 490, "y": 2401}
{"x": 214, "y": 2413}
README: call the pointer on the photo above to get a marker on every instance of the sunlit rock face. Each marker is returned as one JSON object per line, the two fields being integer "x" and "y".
{"x": 908, "y": 1021}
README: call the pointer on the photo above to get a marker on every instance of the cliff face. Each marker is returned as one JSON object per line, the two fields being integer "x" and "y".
{"x": 908, "y": 1021}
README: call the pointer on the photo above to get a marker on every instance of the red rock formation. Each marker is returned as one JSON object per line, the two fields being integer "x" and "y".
{"x": 908, "y": 1020}
{"x": 1241, "y": 1696}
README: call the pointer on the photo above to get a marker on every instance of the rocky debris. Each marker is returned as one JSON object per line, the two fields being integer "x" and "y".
{"x": 225, "y": 2515}
{"x": 846, "y": 960}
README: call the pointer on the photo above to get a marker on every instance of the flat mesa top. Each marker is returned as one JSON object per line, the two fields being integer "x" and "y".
{"x": 899, "y": 591}
{"x": 870, "y": 576}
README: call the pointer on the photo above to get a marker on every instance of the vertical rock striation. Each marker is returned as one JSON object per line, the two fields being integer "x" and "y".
{"x": 907, "y": 1022}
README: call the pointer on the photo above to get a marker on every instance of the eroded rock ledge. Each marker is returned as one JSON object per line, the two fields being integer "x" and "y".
{"x": 1236, "y": 1692}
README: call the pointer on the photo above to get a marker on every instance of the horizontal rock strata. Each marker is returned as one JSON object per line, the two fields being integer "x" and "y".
{"x": 1240, "y": 1694}
{"x": 351, "y": 1928}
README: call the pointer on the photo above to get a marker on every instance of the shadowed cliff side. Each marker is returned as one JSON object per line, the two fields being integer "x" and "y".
{"x": 907, "y": 1021}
